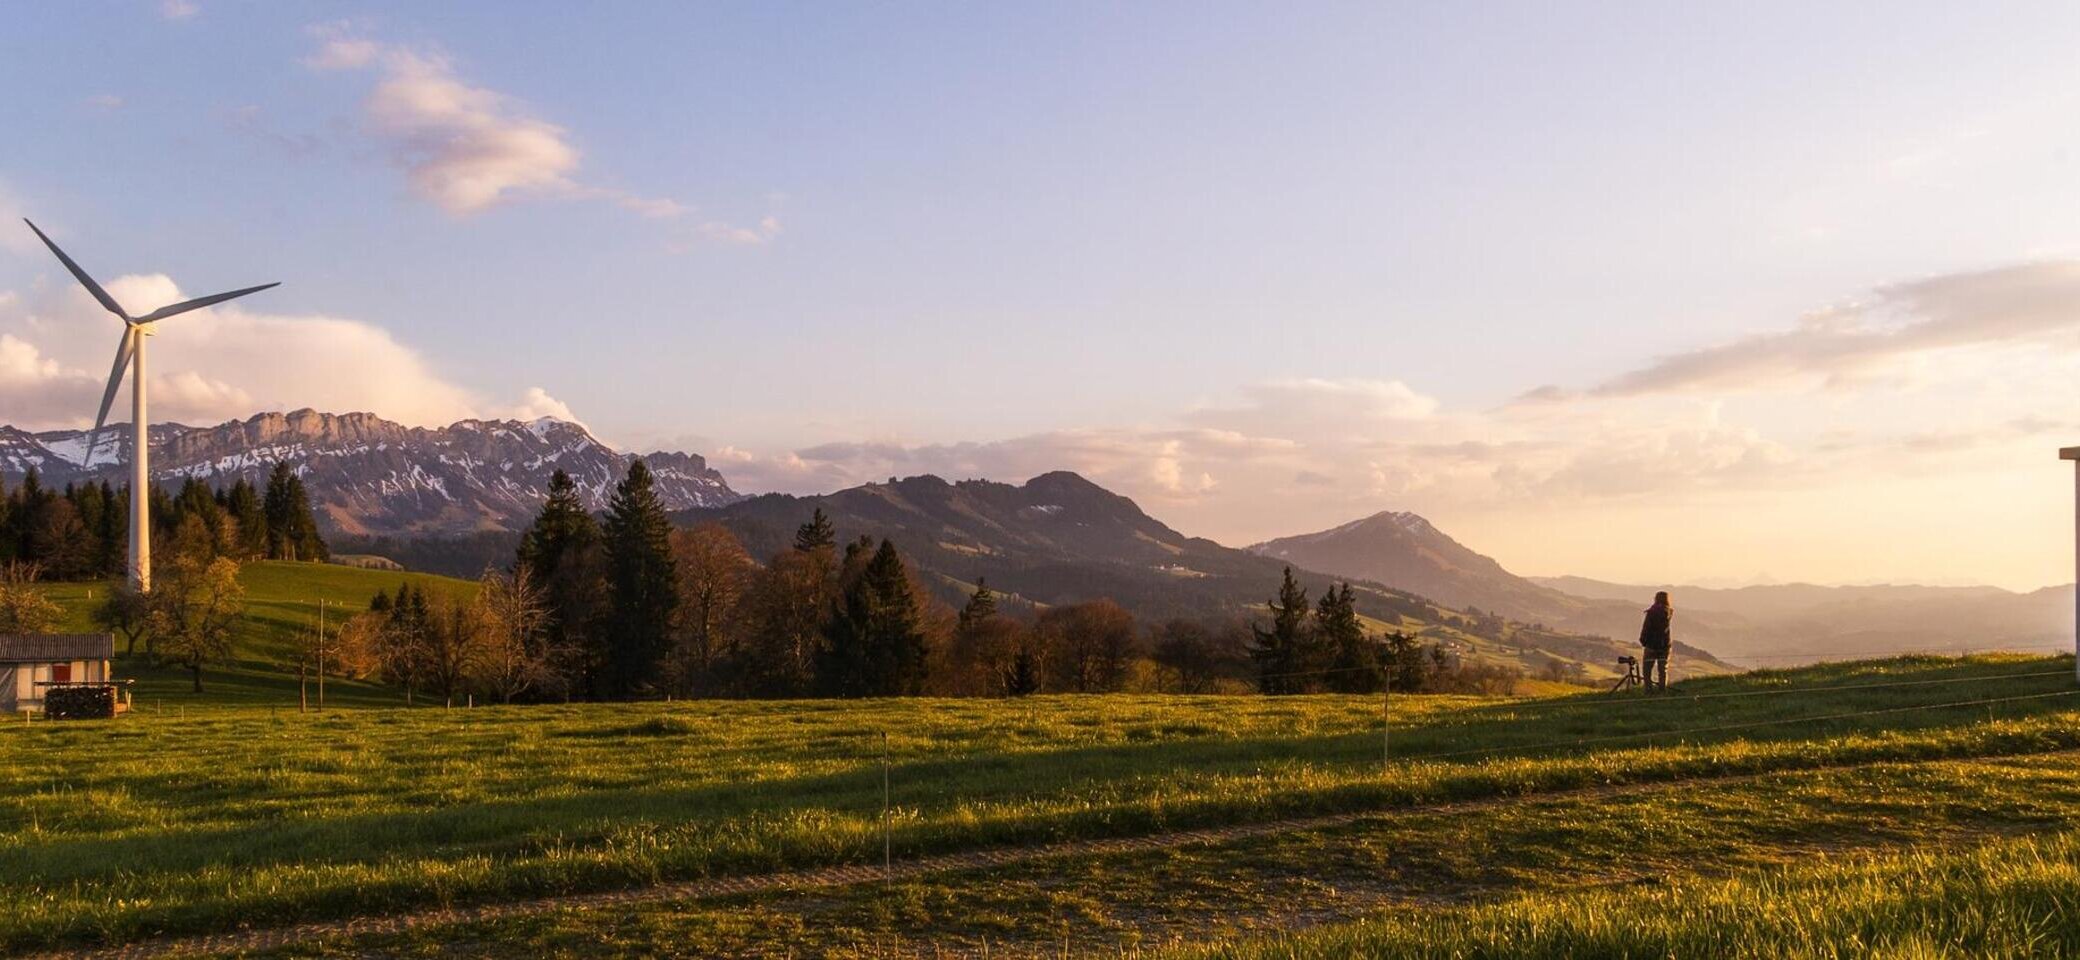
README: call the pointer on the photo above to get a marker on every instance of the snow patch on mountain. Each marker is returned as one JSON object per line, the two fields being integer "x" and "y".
{"x": 369, "y": 475}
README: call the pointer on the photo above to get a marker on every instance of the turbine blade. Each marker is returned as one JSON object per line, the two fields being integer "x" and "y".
{"x": 81, "y": 275}
{"x": 200, "y": 302}
{"x": 115, "y": 382}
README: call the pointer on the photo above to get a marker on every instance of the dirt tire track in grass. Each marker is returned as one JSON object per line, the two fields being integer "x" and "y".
{"x": 272, "y": 938}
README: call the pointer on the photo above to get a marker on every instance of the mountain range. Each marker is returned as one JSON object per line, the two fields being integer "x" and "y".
{"x": 1059, "y": 538}
{"x": 453, "y": 498}
{"x": 371, "y": 477}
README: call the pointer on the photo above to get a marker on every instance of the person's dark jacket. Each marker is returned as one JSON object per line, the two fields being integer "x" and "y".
{"x": 1653, "y": 634}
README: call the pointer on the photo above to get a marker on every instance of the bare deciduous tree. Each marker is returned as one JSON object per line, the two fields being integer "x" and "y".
{"x": 23, "y": 607}
{"x": 194, "y": 611}
{"x": 516, "y": 658}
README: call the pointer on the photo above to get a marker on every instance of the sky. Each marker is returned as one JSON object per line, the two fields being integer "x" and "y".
{"x": 1647, "y": 292}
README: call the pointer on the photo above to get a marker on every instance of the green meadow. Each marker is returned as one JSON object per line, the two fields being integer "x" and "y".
{"x": 282, "y": 601}
{"x": 215, "y": 817}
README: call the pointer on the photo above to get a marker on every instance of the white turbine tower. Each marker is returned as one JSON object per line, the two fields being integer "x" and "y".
{"x": 130, "y": 353}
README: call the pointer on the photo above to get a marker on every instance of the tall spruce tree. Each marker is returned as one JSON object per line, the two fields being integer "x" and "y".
{"x": 875, "y": 645}
{"x": 816, "y": 534}
{"x": 1281, "y": 652}
{"x": 981, "y": 605}
{"x": 641, "y": 583}
{"x": 114, "y": 534}
{"x": 10, "y": 542}
{"x": 561, "y": 554}
{"x": 292, "y": 531}
{"x": 1350, "y": 658}
{"x": 242, "y": 504}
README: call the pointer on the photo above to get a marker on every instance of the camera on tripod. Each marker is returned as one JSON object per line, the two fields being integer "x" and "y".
{"x": 1631, "y": 678}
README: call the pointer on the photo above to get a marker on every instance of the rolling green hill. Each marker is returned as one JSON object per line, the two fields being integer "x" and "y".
{"x": 281, "y": 601}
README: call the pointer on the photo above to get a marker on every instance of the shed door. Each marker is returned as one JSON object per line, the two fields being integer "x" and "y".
{"x": 61, "y": 673}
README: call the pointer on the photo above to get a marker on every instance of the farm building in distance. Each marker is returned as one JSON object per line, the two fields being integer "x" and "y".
{"x": 31, "y": 664}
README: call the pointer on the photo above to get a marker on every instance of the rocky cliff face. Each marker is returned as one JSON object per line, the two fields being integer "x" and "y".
{"x": 368, "y": 475}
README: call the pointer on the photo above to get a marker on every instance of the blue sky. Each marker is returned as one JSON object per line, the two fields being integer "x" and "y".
{"x": 1264, "y": 267}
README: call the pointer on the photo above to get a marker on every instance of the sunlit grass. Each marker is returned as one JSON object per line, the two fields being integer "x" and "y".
{"x": 2011, "y": 898}
{"x": 282, "y": 601}
{"x": 235, "y": 814}
{"x": 1427, "y": 859}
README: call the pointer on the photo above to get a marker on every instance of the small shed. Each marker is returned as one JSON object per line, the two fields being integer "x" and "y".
{"x": 31, "y": 663}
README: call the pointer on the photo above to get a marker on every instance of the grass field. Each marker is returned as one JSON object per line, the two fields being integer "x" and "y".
{"x": 236, "y": 815}
{"x": 281, "y": 601}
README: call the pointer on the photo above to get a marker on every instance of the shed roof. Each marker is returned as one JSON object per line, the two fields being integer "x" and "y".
{"x": 54, "y": 647}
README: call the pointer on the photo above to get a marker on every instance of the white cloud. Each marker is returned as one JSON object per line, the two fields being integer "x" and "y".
{"x": 222, "y": 363}
{"x": 463, "y": 147}
{"x": 767, "y": 229}
{"x": 178, "y": 9}
{"x": 468, "y": 148}
{"x": 1897, "y": 331}
{"x": 536, "y": 404}
{"x": 105, "y": 102}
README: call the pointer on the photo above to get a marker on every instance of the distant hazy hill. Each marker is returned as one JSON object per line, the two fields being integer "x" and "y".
{"x": 1790, "y": 623}
{"x": 1060, "y": 538}
{"x": 1760, "y": 626}
{"x": 1404, "y": 550}
{"x": 368, "y": 475}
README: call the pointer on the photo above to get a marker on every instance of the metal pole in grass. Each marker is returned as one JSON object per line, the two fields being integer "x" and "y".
{"x": 887, "y": 859}
{"x": 2073, "y": 454}
{"x": 1386, "y": 723}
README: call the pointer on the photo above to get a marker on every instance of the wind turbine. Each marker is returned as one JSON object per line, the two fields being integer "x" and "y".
{"x": 130, "y": 353}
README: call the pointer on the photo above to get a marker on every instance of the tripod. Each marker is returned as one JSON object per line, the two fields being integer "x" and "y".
{"x": 1631, "y": 677}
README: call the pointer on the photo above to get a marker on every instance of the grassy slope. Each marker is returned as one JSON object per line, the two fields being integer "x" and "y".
{"x": 1437, "y": 874}
{"x": 281, "y": 601}
{"x": 2008, "y": 899}
{"x": 232, "y": 815}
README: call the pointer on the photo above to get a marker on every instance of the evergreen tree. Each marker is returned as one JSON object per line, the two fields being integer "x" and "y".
{"x": 1282, "y": 651}
{"x": 10, "y": 543}
{"x": 561, "y": 554}
{"x": 817, "y": 533}
{"x": 292, "y": 531}
{"x": 61, "y": 543}
{"x": 242, "y": 504}
{"x": 1351, "y": 657}
{"x": 982, "y": 605}
{"x": 160, "y": 507}
{"x": 641, "y": 583}
{"x": 26, "y": 516}
{"x": 87, "y": 500}
{"x": 197, "y": 500}
{"x": 114, "y": 535}
{"x": 1022, "y": 676}
{"x": 875, "y": 645}
{"x": 1408, "y": 665}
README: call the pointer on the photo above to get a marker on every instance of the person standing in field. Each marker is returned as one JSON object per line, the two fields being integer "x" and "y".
{"x": 1655, "y": 641}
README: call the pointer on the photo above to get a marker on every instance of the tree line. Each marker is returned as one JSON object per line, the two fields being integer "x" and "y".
{"x": 82, "y": 532}
{"x": 622, "y": 606}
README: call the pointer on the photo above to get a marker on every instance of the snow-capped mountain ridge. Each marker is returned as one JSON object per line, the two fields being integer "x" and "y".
{"x": 368, "y": 475}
